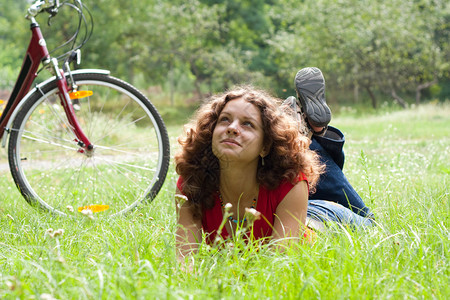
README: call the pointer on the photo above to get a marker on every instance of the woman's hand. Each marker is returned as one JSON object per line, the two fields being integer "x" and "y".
{"x": 188, "y": 234}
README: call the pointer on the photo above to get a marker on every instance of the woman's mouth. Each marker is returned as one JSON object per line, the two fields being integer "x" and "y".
{"x": 230, "y": 142}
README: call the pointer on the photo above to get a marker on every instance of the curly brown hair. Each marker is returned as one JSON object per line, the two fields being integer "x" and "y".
{"x": 289, "y": 152}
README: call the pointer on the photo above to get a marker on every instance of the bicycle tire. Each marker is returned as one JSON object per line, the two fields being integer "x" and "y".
{"x": 131, "y": 149}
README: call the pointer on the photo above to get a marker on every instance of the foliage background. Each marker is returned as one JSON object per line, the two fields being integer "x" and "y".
{"x": 178, "y": 51}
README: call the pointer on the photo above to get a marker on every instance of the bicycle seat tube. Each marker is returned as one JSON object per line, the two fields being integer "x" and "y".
{"x": 37, "y": 52}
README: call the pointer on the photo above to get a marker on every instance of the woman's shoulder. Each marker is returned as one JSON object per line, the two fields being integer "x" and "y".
{"x": 288, "y": 184}
{"x": 277, "y": 195}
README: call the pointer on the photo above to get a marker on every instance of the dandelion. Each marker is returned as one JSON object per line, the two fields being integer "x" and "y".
{"x": 12, "y": 284}
{"x": 88, "y": 213}
{"x": 58, "y": 232}
{"x": 180, "y": 200}
{"x": 180, "y": 197}
{"x": 54, "y": 233}
{"x": 45, "y": 296}
{"x": 226, "y": 215}
{"x": 251, "y": 215}
{"x": 70, "y": 208}
{"x": 49, "y": 232}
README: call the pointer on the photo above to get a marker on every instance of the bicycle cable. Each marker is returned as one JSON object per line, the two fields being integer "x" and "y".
{"x": 83, "y": 21}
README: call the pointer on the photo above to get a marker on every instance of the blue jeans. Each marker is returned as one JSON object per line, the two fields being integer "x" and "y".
{"x": 333, "y": 185}
{"x": 328, "y": 211}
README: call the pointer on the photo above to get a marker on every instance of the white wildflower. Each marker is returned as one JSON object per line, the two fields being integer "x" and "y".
{"x": 49, "y": 232}
{"x": 180, "y": 199}
{"x": 252, "y": 215}
{"x": 88, "y": 213}
{"x": 47, "y": 297}
{"x": 54, "y": 233}
{"x": 58, "y": 232}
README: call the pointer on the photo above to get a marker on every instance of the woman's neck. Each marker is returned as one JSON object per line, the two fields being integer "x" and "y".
{"x": 238, "y": 183}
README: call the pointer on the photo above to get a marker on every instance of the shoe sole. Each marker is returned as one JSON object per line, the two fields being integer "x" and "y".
{"x": 310, "y": 87}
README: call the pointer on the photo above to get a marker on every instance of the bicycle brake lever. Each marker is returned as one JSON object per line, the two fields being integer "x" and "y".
{"x": 78, "y": 51}
{"x": 52, "y": 12}
{"x": 75, "y": 56}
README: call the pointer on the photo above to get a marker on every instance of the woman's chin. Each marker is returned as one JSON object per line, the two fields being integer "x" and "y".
{"x": 227, "y": 154}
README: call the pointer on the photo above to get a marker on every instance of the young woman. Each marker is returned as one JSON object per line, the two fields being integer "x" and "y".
{"x": 243, "y": 149}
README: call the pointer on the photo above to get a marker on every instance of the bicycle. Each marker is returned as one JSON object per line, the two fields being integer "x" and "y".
{"x": 82, "y": 140}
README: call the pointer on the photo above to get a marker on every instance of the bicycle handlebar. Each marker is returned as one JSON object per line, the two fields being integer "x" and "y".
{"x": 85, "y": 24}
{"x": 40, "y": 5}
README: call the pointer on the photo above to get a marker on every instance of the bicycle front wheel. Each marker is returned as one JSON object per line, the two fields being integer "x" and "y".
{"x": 130, "y": 158}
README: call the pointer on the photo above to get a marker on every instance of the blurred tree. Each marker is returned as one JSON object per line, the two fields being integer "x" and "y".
{"x": 399, "y": 48}
{"x": 181, "y": 34}
{"x": 376, "y": 45}
{"x": 14, "y": 36}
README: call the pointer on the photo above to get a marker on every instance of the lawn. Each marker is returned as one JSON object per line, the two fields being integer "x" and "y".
{"x": 398, "y": 161}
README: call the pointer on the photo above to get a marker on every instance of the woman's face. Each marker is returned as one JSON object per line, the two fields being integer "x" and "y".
{"x": 238, "y": 135}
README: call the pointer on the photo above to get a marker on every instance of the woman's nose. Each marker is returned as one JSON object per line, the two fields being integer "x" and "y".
{"x": 232, "y": 128}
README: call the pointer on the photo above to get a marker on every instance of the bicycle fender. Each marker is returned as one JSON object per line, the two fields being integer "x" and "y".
{"x": 37, "y": 87}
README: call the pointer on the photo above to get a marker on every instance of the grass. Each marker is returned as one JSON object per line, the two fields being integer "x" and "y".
{"x": 399, "y": 162}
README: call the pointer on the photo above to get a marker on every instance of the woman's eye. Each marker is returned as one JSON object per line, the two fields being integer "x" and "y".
{"x": 224, "y": 119}
{"x": 248, "y": 123}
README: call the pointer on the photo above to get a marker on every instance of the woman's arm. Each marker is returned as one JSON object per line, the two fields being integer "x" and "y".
{"x": 290, "y": 215}
{"x": 188, "y": 234}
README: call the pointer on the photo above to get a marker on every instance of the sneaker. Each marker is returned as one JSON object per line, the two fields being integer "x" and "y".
{"x": 292, "y": 104}
{"x": 310, "y": 87}
{"x": 293, "y": 108}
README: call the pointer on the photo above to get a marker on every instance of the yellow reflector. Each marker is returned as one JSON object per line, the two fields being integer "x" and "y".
{"x": 94, "y": 207}
{"x": 80, "y": 94}
{"x": 1, "y": 106}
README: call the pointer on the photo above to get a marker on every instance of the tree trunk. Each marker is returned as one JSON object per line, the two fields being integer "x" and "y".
{"x": 421, "y": 87}
{"x": 171, "y": 87}
{"x": 196, "y": 81}
{"x": 372, "y": 96}
{"x": 356, "y": 93}
{"x": 399, "y": 100}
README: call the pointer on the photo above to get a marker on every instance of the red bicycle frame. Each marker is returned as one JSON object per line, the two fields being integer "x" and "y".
{"x": 36, "y": 54}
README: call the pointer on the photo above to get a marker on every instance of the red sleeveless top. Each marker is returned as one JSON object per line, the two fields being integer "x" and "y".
{"x": 268, "y": 201}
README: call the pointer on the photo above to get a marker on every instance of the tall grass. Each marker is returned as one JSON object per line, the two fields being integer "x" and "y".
{"x": 400, "y": 164}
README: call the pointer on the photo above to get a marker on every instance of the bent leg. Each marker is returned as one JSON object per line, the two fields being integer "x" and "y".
{"x": 332, "y": 142}
{"x": 333, "y": 185}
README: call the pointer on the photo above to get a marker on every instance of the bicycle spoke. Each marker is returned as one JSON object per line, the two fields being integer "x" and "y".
{"x": 126, "y": 166}
{"x": 49, "y": 142}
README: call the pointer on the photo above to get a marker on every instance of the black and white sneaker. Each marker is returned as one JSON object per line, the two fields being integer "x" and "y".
{"x": 310, "y": 88}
